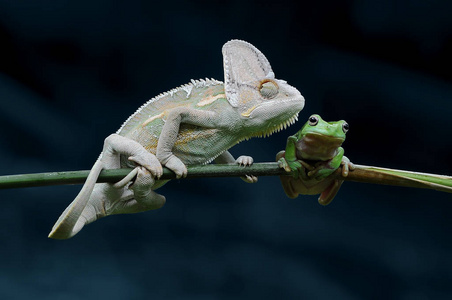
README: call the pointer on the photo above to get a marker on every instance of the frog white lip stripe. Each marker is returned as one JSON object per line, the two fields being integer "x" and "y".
{"x": 324, "y": 136}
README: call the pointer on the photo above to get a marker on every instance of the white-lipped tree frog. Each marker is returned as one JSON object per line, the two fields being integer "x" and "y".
{"x": 312, "y": 155}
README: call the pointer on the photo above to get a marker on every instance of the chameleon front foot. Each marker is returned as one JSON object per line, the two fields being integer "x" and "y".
{"x": 177, "y": 166}
{"x": 246, "y": 161}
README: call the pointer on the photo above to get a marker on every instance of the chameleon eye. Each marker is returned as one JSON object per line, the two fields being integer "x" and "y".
{"x": 313, "y": 120}
{"x": 345, "y": 127}
{"x": 268, "y": 89}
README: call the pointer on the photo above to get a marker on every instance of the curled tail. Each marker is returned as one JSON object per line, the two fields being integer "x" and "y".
{"x": 69, "y": 223}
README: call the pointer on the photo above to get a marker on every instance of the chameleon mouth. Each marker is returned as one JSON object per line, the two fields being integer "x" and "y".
{"x": 275, "y": 128}
{"x": 282, "y": 110}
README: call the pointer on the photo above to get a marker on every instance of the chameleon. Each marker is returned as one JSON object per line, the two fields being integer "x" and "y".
{"x": 312, "y": 155}
{"x": 193, "y": 124}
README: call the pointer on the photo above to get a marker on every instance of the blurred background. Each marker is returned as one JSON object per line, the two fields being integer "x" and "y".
{"x": 72, "y": 71}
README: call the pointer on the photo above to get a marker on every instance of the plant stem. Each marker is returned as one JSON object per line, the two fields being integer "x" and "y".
{"x": 366, "y": 174}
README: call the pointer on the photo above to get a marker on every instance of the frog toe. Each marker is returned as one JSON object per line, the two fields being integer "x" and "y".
{"x": 347, "y": 165}
{"x": 330, "y": 192}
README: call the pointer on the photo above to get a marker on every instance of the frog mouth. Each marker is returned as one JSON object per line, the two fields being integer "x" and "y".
{"x": 318, "y": 146}
{"x": 325, "y": 140}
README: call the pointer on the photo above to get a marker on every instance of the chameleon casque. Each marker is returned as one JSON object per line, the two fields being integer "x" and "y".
{"x": 190, "y": 125}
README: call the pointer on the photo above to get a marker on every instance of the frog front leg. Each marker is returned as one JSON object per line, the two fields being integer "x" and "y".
{"x": 288, "y": 160}
{"x": 324, "y": 169}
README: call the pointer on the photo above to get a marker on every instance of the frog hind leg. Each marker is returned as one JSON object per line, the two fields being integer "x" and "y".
{"x": 286, "y": 182}
{"x": 330, "y": 192}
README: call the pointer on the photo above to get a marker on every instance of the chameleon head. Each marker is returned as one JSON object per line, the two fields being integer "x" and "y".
{"x": 273, "y": 106}
{"x": 265, "y": 104}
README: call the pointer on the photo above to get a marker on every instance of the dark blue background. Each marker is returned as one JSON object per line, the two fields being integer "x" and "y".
{"x": 73, "y": 71}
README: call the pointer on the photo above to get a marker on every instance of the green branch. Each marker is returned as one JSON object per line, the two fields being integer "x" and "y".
{"x": 366, "y": 174}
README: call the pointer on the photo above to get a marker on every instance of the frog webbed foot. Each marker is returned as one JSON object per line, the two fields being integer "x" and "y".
{"x": 297, "y": 168}
{"x": 320, "y": 170}
{"x": 282, "y": 162}
{"x": 330, "y": 192}
{"x": 347, "y": 165}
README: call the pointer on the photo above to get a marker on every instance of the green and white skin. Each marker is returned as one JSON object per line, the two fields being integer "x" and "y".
{"x": 193, "y": 124}
{"x": 312, "y": 155}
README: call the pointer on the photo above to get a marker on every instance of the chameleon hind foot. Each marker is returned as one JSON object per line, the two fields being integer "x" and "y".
{"x": 137, "y": 197}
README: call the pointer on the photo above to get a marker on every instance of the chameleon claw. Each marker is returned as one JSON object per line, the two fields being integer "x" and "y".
{"x": 143, "y": 182}
{"x": 250, "y": 179}
{"x": 177, "y": 166}
{"x": 245, "y": 160}
{"x": 150, "y": 162}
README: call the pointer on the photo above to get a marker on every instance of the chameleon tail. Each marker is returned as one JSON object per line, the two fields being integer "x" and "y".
{"x": 67, "y": 226}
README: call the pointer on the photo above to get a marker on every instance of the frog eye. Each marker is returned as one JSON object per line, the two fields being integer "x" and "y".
{"x": 313, "y": 120}
{"x": 268, "y": 89}
{"x": 345, "y": 127}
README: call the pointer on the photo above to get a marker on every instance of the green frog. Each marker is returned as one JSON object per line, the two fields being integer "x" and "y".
{"x": 312, "y": 155}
